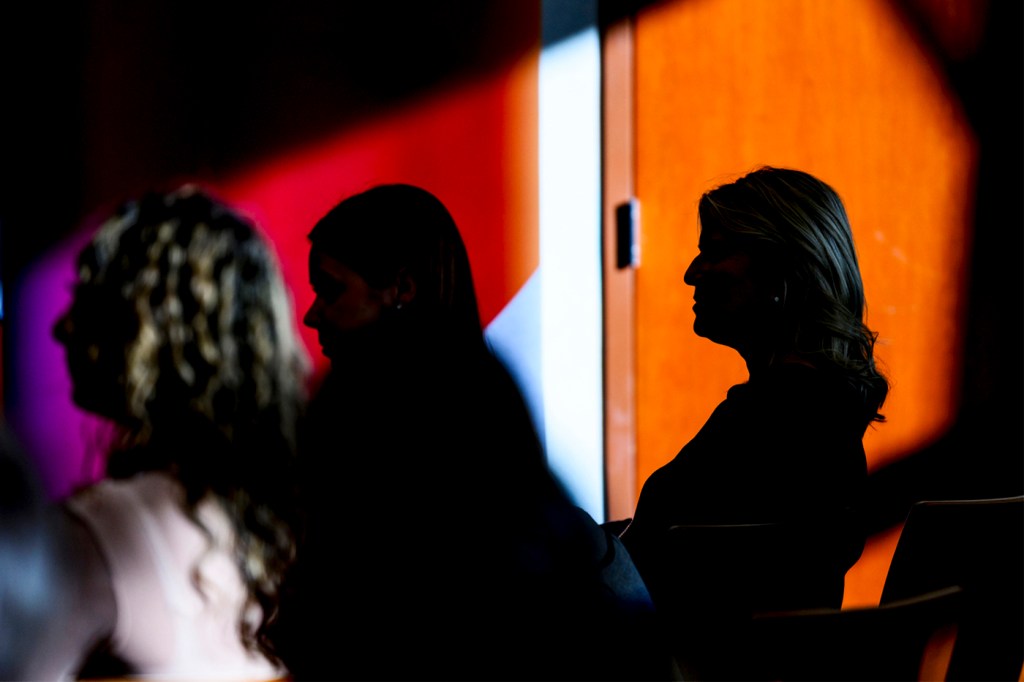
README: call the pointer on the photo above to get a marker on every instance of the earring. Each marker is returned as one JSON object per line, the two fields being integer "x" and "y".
{"x": 398, "y": 306}
{"x": 775, "y": 299}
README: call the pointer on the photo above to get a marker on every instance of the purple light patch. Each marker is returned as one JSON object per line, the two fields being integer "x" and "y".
{"x": 65, "y": 442}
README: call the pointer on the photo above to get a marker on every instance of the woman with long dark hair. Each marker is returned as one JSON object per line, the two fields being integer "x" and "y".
{"x": 439, "y": 544}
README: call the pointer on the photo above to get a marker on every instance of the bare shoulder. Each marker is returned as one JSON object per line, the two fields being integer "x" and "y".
{"x": 87, "y": 570}
{"x": 82, "y": 607}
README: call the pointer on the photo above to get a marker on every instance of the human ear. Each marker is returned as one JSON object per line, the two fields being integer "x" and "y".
{"x": 405, "y": 289}
{"x": 778, "y": 295}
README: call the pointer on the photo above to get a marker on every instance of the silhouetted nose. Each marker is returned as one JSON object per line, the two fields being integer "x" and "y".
{"x": 693, "y": 272}
{"x": 312, "y": 316}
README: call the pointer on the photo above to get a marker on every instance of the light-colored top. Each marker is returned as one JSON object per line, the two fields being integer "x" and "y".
{"x": 178, "y": 592}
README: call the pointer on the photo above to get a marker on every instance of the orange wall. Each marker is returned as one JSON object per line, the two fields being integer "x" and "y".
{"x": 844, "y": 90}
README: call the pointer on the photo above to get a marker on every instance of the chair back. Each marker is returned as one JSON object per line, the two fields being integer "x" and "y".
{"x": 977, "y": 545}
{"x": 903, "y": 640}
{"x": 713, "y": 577}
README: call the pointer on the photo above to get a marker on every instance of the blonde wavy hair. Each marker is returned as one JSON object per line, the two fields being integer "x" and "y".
{"x": 208, "y": 364}
{"x": 800, "y": 225}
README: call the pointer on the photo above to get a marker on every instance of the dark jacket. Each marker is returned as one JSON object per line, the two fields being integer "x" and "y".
{"x": 440, "y": 546}
{"x": 758, "y": 512}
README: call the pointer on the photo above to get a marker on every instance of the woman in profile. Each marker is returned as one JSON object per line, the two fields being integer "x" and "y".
{"x": 758, "y": 511}
{"x": 439, "y": 544}
{"x": 180, "y": 332}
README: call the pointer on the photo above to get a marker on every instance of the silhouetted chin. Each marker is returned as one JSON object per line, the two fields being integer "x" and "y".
{"x": 713, "y": 329}
{"x": 365, "y": 344}
{"x": 93, "y": 397}
{"x": 700, "y": 329}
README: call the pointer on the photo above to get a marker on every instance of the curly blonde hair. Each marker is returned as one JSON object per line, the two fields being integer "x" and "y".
{"x": 208, "y": 364}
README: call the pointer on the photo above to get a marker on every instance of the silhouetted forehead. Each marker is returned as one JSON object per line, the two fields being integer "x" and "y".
{"x": 714, "y": 234}
{"x": 323, "y": 265}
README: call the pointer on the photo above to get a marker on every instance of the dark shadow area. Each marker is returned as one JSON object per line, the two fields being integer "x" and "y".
{"x": 981, "y": 454}
{"x": 111, "y": 97}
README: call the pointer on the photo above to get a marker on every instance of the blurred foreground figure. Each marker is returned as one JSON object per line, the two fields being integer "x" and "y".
{"x": 30, "y": 596}
{"x": 180, "y": 332}
{"x": 758, "y": 512}
{"x": 439, "y": 544}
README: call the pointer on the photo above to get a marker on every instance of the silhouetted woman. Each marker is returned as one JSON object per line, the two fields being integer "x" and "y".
{"x": 180, "y": 333}
{"x": 439, "y": 544}
{"x": 766, "y": 492}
